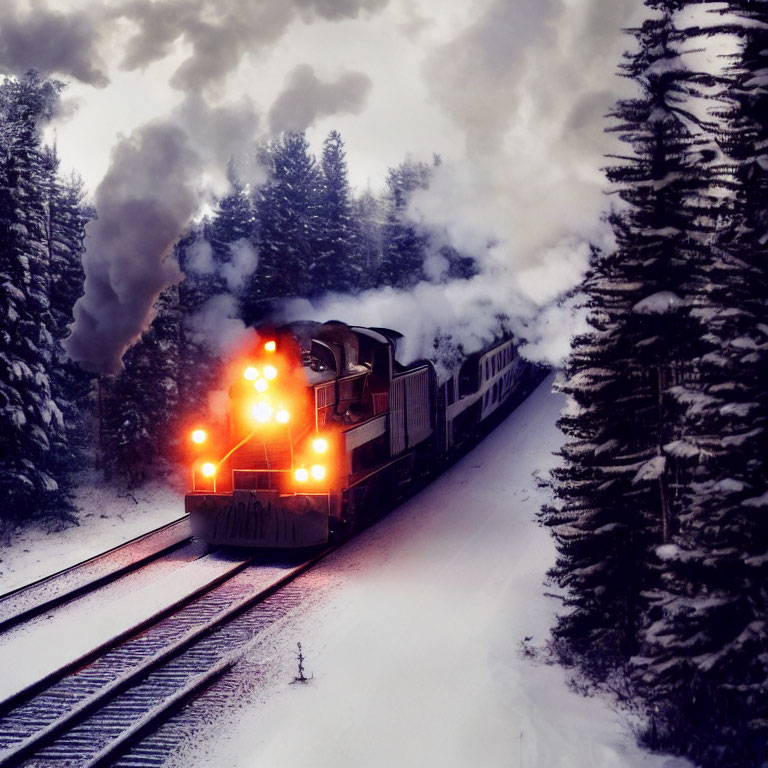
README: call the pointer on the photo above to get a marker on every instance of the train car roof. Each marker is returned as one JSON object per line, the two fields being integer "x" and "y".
{"x": 371, "y": 334}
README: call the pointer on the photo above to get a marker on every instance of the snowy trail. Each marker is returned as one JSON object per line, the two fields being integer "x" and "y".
{"x": 415, "y": 648}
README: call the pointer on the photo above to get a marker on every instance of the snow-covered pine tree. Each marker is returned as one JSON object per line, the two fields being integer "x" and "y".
{"x": 404, "y": 249}
{"x": 66, "y": 217}
{"x": 233, "y": 221}
{"x": 335, "y": 267}
{"x": 287, "y": 220}
{"x": 139, "y": 405}
{"x": 368, "y": 221}
{"x": 618, "y": 492}
{"x": 30, "y": 419}
{"x": 705, "y": 655}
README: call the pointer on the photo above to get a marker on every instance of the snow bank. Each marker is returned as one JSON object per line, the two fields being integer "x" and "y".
{"x": 107, "y": 516}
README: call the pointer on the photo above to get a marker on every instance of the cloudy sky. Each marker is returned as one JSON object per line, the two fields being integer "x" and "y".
{"x": 510, "y": 93}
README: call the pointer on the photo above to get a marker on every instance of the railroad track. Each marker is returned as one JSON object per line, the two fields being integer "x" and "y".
{"x": 23, "y": 604}
{"x": 97, "y": 706}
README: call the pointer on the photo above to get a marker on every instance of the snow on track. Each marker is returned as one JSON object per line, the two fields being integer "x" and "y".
{"x": 34, "y": 651}
{"x": 415, "y": 649}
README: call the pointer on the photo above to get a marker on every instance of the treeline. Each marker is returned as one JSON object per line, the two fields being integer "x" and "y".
{"x": 661, "y": 519}
{"x": 42, "y": 226}
{"x": 291, "y": 227}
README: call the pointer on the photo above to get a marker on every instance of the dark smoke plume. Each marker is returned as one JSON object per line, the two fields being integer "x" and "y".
{"x": 218, "y": 33}
{"x": 306, "y": 98}
{"x": 144, "y": 201}
{"x": 153, "y": 188}
{"x": 50, "y": 42}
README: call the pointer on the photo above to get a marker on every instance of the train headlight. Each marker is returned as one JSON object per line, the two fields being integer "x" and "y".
{"x": 320, "y": 444}
{"x": 270, "y": 346}
{"x": 318, "y": 472}
{"x": 251, "y": 373}
{"x": 261, "y": 385}
{"x": 270, "y": 372}
{"x": 262, "y": 412}
{"x": 208, "y": 469}
{"x": 199, "y": 436}
{"x": 282, "y": 416}
{"x": 301, "y": 475}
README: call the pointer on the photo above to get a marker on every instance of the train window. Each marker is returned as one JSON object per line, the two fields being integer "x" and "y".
{"x": 485, "y": 399}
{"x": 487, "y": 369}
{"x": 493, "y": 365}
{"x": 495, "y": 391}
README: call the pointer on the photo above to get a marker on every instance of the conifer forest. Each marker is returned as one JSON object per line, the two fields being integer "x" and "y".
{"x": 659, "y": 502}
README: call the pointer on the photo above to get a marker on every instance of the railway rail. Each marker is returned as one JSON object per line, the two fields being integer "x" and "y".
{"x": 24, "y": 603}
{"x": 91, "y": 710}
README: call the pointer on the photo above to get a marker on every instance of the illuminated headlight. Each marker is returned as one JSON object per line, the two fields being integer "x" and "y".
{"x": 301, "y": 475}
{"x": 208, "y": 469}
{"x": 270, "y": 372}
{"x": 261, "y": 385}
{"x": 317, "y": 472}
{"x": 251, "y": 373}
{"x": 262, "y": 412}
{"x": 199, "y": 436}
{"x": 320, "y": 444}
{"x": 270, "y": 346}
{"x": 282, "y": 416}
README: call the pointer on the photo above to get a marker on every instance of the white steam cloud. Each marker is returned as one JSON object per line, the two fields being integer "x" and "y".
{"x": 217, "y": 326}
{"x": 527, "y": 84}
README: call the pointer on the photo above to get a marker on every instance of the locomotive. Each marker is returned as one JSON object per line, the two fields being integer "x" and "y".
{"x": 326, "y": 429}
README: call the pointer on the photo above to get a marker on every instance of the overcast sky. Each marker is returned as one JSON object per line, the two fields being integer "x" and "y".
{"x": 447, "y": 76}
{"x": 510, "y": 93}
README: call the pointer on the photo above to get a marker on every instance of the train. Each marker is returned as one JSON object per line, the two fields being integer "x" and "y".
{"x": 325, "y": 429}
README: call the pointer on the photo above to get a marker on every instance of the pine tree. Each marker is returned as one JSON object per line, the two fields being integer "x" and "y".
{"x": 66, "y": 217}
{"x": 706, "y": 667}
{"x": 334, "y": 267}
{"x": 30, "y": 419}
{"x": 139, "y": 406}
{"x": 618, "y": 491}
{"x": 287, "y": 214}
{"x": 368, "y": 222}
{"x": 402, "y": 264}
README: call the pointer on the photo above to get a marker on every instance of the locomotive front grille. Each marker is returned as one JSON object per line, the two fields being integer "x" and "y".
{"x": 258, "y": 480}
{"x": 271, "y": 455}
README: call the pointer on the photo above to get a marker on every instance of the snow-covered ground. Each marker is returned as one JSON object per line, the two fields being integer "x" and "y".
{"x": 108, "y": 516}
{"x": 416, "y": 641}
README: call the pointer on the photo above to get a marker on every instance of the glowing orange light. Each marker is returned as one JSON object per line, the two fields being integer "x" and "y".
{"x": 302, "y": 475}
{"x": 251, "y": 373}
{"x": 261, "y": 385}
{"x": 320, "y": 445}
{"x": 270, "y": 346}
{"x": 199, "y": 436}
{"x": 262, "y": 412}
{"x": 283, "y": 417}
{"x": 318, "y": 472}
{"x": 270, "y": 372}
{"x": 208, "y": 469}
